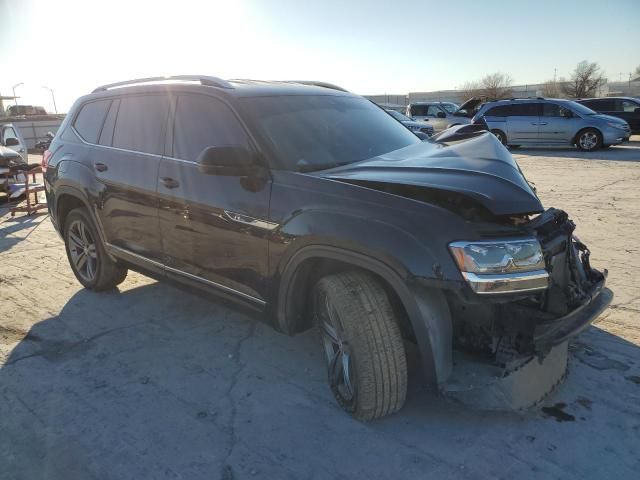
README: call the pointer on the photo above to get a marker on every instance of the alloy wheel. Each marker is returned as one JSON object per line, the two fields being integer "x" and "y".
{"x": 588, "y": 140}
{"x": 82, "y": 249}
{"x": 339, "y": 357}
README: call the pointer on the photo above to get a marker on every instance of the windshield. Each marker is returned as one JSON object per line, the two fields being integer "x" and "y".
{"x": 398, "y": 116}
{"x": 450, "y": 107}
{"x": 579, "y": 108}
{"x": 317, "y": 132}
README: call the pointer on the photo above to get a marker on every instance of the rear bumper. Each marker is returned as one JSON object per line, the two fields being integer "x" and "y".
{"x": 556, "y": 331}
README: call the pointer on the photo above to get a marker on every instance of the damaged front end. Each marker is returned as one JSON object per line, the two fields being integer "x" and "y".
{"x": 551, "y": 304}
{"x": 511, "y": 348}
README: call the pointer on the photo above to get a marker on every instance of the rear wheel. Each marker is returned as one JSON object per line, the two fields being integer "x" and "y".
{"x": 363, "y": 346}
{"x": 588, "y": 140}
{"x": 500, "y": 136}
{"x": 88, "y": 259}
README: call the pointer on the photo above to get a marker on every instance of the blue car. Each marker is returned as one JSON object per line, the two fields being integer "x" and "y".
{"x": 551, "y": 121}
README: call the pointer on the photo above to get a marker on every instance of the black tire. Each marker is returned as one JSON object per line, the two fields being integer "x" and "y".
{"x": 98, "y": 272}
{"x": 357, "y": 307}
{"x": 500, "y": 135}
{"x": 588, "y": 140}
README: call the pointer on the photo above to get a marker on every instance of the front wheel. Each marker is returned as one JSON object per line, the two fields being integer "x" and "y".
{"x": 589, "y": 140}
{"x": 367, "y": 366}
{"x": 87, "y": 257}
{"x": 499, "y": 134}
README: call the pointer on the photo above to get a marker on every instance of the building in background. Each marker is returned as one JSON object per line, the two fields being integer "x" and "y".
{"x": 610, "y": 89}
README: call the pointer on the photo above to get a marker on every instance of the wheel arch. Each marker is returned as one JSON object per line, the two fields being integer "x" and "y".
{"x": 579, "y": 132}
{"x": 425, "y": 317}
{"x": 67, "y": 198}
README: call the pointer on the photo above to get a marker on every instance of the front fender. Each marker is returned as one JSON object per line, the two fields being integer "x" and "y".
{"x": 427, "y": 309}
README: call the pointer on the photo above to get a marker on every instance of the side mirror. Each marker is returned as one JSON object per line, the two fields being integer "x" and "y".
{"x": 636, "y": 110}
{"x": 422, "y": 136}
{"x": 566, "y": 113}
{"x": 229, "y": 160}
{"x": 441, "y": 115}
{"x": 12, "y": 142}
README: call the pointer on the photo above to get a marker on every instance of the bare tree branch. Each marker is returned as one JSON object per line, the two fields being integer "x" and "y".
{"x": 494, "y": 86}
{"x": 585, "y": 80}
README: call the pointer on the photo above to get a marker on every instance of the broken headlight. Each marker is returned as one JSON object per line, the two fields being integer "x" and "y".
{"x": 501, "y": 266}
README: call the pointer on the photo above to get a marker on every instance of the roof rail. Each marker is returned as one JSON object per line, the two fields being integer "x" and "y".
{"x": 316, "y": 83}
{"x": 203, "y": 79}
{"x": 525, "y": 98}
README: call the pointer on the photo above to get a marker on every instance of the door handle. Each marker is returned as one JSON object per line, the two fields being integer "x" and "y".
{"x": 533, "y": 123}
{"x": 542, "y": 123}
{"x": 170, "y": 182}
{"x": 101, "y": 167}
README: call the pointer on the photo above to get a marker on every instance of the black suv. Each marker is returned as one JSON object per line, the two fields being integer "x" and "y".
{"x": 626, "y": 108}
{"x": 315, "y": 206}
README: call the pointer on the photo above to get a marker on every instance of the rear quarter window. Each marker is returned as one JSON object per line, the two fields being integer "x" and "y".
{"x": 90, "y": 118}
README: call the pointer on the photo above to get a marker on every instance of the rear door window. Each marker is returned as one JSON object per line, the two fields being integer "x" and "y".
{"x": 524, "y": 110}
{"x": 89, "y": 121}
{"x": 141, "y": 123}
{"x": 202, "y": 121}
{"x": 499, "y": 111}
{"x": 106, "y": 137}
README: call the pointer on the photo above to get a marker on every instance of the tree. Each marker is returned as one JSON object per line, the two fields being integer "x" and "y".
{"x": 494, "y": 86}
{"x": 497, "y": 86}
{"x": 552, "y": 89}
{"x": 585, "y": 80}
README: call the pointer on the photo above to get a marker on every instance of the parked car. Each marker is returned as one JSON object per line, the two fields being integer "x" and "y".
{"x": 314, "y": 206}
{"x": 553, "y": 122}
{"x": 410, "y": 124}
{"x": 11, "y": 137}
{"x": 443, "y": 115}
{"x": 626, "y": 108}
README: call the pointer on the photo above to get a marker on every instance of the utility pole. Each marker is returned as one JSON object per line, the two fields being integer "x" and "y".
{"x": 555, "y": 71}
{"x": 15, "y": 99}
{"x": 53, "y": 97}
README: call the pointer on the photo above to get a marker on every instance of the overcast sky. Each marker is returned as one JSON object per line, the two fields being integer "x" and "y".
{"x": 366, "y": 46}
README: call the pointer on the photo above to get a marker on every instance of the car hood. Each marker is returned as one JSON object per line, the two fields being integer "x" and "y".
{"x": 411, "y": 123}
{"x": 609, "y": 118}
{"x": 470, "y": 104}
{"x": 479, "y": 168}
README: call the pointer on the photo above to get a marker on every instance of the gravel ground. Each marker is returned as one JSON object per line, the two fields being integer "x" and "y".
{"x": 156, "y": 382}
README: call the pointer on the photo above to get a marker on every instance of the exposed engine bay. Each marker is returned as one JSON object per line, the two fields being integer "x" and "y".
{"x": 518, "y": 326}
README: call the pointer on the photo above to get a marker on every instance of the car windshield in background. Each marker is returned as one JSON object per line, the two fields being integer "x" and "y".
{"x": 450, "y": 107}
{"x": 579, "y": 108}
{"x": 398, "y": 116}
{"x": 317, "y": 132}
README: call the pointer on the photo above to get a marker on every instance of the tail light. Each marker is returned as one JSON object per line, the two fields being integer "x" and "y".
{"x": 46, "y": 156}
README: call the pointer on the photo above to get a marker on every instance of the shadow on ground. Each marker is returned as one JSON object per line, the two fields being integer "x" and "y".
{"x": 13, "y": 225}
{"x": 154, "y": 382}
{"x": 628, "y": 152}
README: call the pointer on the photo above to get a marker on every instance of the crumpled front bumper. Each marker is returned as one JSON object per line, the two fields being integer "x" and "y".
{"x": 550, "y": 333}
